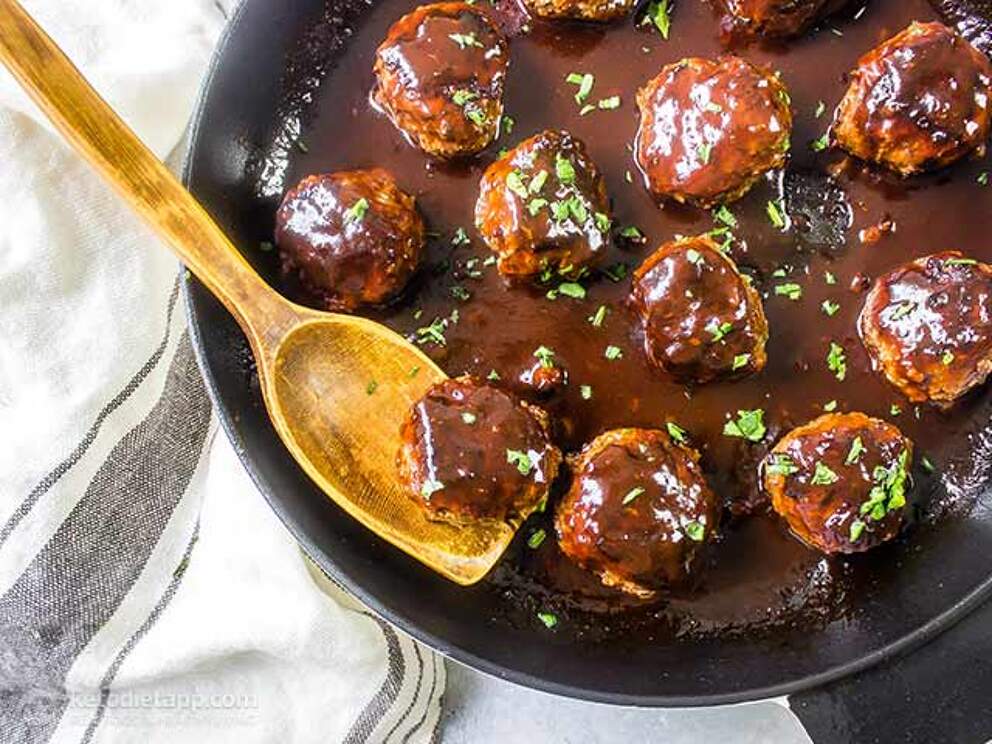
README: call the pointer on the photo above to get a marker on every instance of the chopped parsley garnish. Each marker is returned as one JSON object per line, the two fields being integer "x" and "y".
{"x": 776, "y": 214}
{"x": 493, "y": 375}
{"x": 676, "y": 432}
{"x": 854, "y": 454}
{"x": 857, "y": 528}
{"x": 617, "y": 272}
{"x": 515, "y": 182}
{"x": 947, "y": 358}
{"x": 461, "y": 97}
{"x": 895, "y": 409}
{"x": 537, "y": 182}
{"x": 597, "y": 318}
{"x": 464, "y": 41}
{"x": 823, "y": 476}
{"x": 983, "y": 178}
{"x": 460, "y": 237}
{"x": 740, "y": 361}
{"x": 927, "y": 464}
{"x": 587, "y": 109}
{"x": 658, "y": 16}
{"x": 791, "y": 290}
{"x": 725, "y": 216}
{"x": 460, "y": 293}
{"x": 469, "y": 418}
{"x": 830, "y": 406}
{"x": 749, "y": 425}
{"x": 572, "y": 289}
{"x": 434, "y": 332}
{"x": 632, "y": 494}
{"x": 371, "y": 387}
{"x": 820, "y": 108}
{"x": 613, "y": 353}
{"x": 888, "y": 492}
{"x": 564, "y": 169}
{"x": 631, "y": 233}
{"x": 820, "y": 143}
{"x": 703, "y": 152}
{"x": 902, "y": 310}
{"x": 961, "y": 262}
{"x": 719, "y": 330}
{"x": 430, "y": 487}
{"x": 549, "y": 619}
{"x": 545, "y": 356}
{"x": 695, "y": 531}
{"x": 476, "y": 116}
{"x": 830, "y": 307}
{"x": 608, "y": 104}
{"x": 414, "y": 371}
{"x": 536, "y": 538}
{"x": 603, "y": 222}
{"x": 508, "y": 124}
{"x": 534, "y": 206}
{"x": 829, "y": 278}
{"x": 585, "y": 391}
{"x": 585, "y": 81}
{"x": 694, "y": 256}
{"x": 521, "y": 460}
{"x": 780, "y": 464}
{"x": 356, "y": 212}
{"x": 837, "y": 361}
{"x": 265, "y": 246}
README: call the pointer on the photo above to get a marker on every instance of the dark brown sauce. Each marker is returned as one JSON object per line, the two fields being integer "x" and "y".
{"x": 757, "y": 576}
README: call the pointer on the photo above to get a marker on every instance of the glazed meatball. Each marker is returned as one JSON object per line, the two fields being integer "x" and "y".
{"x": 710, "y": 129}
{"x": 473, "y": 452}
{"x": 586, "y": 10}
{"x": 638, "y": 510}
{"x": 917, "y": 102}
{"x": 439, "y": 77}
{"x": 775, "y": 18}
{"x": 544, "y": 204}
{"x": 927, "y": 325}
{"x": 702, "y": 318}
{"x": 840, "y": 481}
{"x": 353, "y": 237}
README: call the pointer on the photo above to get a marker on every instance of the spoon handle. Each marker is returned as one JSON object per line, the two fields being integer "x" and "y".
{"x": 97, "y": 133}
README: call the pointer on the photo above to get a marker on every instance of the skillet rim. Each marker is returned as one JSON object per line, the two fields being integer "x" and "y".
{"x": 353, "y": 584}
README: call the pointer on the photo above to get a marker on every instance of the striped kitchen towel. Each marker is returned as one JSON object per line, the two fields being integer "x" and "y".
{"x": 147, "y": 593}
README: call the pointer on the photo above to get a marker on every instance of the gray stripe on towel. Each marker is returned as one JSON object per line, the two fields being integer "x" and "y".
{"x": 385, "y": 698}
{"x": 78, "y": 580}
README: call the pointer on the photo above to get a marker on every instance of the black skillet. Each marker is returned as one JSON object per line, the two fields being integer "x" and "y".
{"x": 272, "y": 52}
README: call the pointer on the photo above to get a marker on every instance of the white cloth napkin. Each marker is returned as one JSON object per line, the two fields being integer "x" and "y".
{"x": 147, "y": 593}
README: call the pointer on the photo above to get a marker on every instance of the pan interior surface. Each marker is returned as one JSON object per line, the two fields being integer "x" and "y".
{"x": 271, "y": 87}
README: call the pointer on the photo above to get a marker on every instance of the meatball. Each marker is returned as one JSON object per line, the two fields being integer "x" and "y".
{"x": 474, "y": 452}
{"x": 439, "y": 77}
{"x": 544, "y": 205}
{"x": 702, "y": 318}
{"x": 775, "y": 18}
{"x": 638, "y": 510}
{"x": 585, "y": 10}
{"x": 710, "y": 129}
{"x": 917, "y": 102}
{"x": 840, "y": 481}
{"x": 927, "y": 325}
{"x": 353, "y": 237}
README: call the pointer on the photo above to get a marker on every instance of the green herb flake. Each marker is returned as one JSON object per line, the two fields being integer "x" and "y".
{"x": 356, "y": 212}
{"x": 821, "y": 107}
{"x": 631, "y": 233}
{"x": 460, "y": 293}
{"x": 586, "y": 392}
{"x": 460, "y": 237}
{"x": 718, "y": 330}
{"x": 632, "y": 494}
{"x": 549, "y": 619}
{"x": 676, "y": 432}
{"x": 617, "y": 272}
{"x": 830, "y": 406}
{"x": 927, "y": 465}
{"x": 724, "y": 215}
{"x": 515, "y": 182}
{"x": 740, "y": 361}
{"x": 983, "y": 178}
{"x": 371, "y": 387}
{"x": 608, "y": 104}
{"x": 823, "y": 476}
{"x": 830, "y": 308}
{"x": 534, "y": 206}
{"x": 961, "y": 262}
{"x": 508, "y": 123}
{"x": 694, "y": 256}
{"x": 776, "y": 214}
{"x": 521, "y": 460}
{"x": 265, "y": 246}
{"x": 781, "y": 464}
{"x": 857, "y": 528}
{"x": 493, "y": 376}
{"x": 790, "y": 289}
{"x": 902, "y": 310}
{"x": 585, "y": 81}
{"x": 703, "y": 153}
{"x": 829, "y": 278}
{"x": 895, "y": 409}
{"x": 564, "y": 169}
{"x": 597, "y": 318}
{"x": 430, "y": 487}
{"x": 748, "y": 425}
{"x": 461, "y": 97}
{"x": 837, "y": 361}
{"x": 612, "y": 353}
{"x": 536, "y": 538}
{"x": 545, "y": 356}
{"x": 854, "y": 454}
{"x": 820, "y": 143}
{"x": 469, "y": 418}
{"x": 658, "y": 15}
{"x": 537, "y": 182}
{"x": 695, "y": 531}
{"x": 464, "y": 41}
{"x": 947, "y": 358}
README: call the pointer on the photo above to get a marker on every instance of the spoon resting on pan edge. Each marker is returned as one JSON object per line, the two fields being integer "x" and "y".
{"x": 315, "y": 368}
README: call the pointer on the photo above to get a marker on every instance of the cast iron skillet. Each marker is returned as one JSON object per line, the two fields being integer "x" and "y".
{"x": 947, "y": 575}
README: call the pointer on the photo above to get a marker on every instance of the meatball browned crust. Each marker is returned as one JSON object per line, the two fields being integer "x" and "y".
{"x": 440, "y": 75}
{"x": 353, "y": 237}
{"x": 544, "y": 204}
{"x": 840, "y": 481}
{"x": 585, "y": 10}
{"x": 775, "y": 18}
{"x": 474, "y": 452}
{"x": 638, "y": 510}
{"x": 917, "y": 102}
{"x": 710, "y": 128}
{"x": 702, "y": 318}
{"x": 927, "y": 325}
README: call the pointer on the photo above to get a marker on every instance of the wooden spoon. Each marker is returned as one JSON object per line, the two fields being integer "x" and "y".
{"x": 317, "y": 370}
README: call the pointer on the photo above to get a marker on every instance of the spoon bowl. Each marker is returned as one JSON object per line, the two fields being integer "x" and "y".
{"x": 337, "y": 387}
